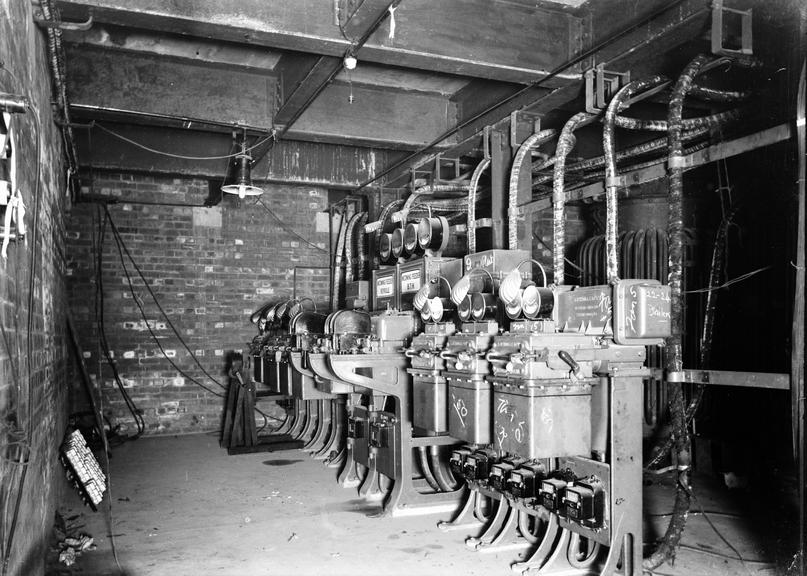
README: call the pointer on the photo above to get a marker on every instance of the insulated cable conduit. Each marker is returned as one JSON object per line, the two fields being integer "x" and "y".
{"x": 622, "y": 155}
{"x": 673, "y": 352}
{"x": 526, "y": 148}
{"x": 472, "y": 190}
{"x": 351, "y": 228}
{"x": 566, "y": 142}
{"x": 611, "y": 176}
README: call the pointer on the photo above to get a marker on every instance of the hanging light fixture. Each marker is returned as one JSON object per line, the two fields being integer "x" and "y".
{"x": 243, "y": 174}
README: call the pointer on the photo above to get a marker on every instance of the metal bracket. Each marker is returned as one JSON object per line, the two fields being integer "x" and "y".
{"x": 601, "y": 85}
{"x": 440, "y": 162}
{"x": 770, "y": 381}
{"x": 514, "y": 119}
{"x": 43, "y": 22}
{"x": 725, "y": 26}
{"x": 486, "y": 143}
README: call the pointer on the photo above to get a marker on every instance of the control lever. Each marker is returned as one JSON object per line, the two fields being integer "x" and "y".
{"x": 575, "y": 372}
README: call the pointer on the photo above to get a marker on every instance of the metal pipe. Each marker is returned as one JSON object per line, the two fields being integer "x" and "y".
{"x": 611, "y": 180}
{"x": 185, "y": 122}
{"x": 524, "y": 527}
{"x": 566, "y": 142}
{"x": 445, "y": 479}
{"x": 427, "y": 472}
{"x": 512, "y": 209}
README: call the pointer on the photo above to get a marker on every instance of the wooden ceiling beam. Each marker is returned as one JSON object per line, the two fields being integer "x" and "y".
{"x": 475, "y": 38}
{"x": 143, "y": 89}
{"x": 289, "y": 162}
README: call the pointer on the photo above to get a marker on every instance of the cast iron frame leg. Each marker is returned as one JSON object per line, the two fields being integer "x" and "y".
{"x": 464, "y": 519}
{"x": 508, "y": 538}
{"x": 348, "y": 477}
{"x": 320, "y": 431}
{"x": 493, "y": 527}
{"x": 298, "y": 419}
{"x": 544, "y": 550}
{"x": 287, "y": 424}
{"x": 334, "y": 429}
{"x": 371, "y": 485}
{"x": 558, "y": 560}
{"x": 310, "y": 422}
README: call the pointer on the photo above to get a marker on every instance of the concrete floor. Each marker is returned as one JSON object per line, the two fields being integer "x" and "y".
{"x": 181, "y": 506}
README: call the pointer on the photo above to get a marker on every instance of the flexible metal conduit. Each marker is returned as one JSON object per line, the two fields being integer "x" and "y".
{"x": 480, "y": 169}
{"x": 600, "y": 174}
{"x": 611, "y": 177}
{"x": 512, "y": 210}
{"x": 716, "y": 275}
{"x": 361, "y": 246}
{"x": 673, "y": 348}
{"x": 690, "y": 133}
{"x": 417, "y": 197}
{"x": 714, "y": 95}
{"x": 688, "y": 124}
{"x": 566, "y": 142}
{"x": 349, "y": 239}
{"x": 638, "y": 150}
{"x": 337, "y": 266}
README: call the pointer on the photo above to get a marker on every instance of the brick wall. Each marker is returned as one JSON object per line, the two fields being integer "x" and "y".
{"x": 210, "y": 269}
{"x": 33, "y": 399}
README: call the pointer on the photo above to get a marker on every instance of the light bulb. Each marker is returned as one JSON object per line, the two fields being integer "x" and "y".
{"x": 350, "y": 62}
{"x": 242, "y": 191}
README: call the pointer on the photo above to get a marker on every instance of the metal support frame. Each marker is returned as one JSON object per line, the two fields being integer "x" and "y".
{"x": 767, "y": 137}
{"x": 761, "y": 380}
{"x": 601, "y": 84}
{"x": 719, "y": 11}
{"x": 389, "y": 377}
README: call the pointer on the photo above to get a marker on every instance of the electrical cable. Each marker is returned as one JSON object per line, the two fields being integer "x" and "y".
{"x": 740, "y": 278}
{"x": 282, "y": 225}
{"x": 110, "y": 518}
{"x": 122, "y": 245}
{"x": 720, "y": 535}
{"x": 119, "y": 240}
{"x": 180, "y": 156}
{"x": 28, "y": 345}
{"x": 146, "y": 320}
{"x": 101, "y": 326}
{"x": 32, "y": 272}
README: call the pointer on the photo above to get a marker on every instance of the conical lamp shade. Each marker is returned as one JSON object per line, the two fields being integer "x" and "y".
{"x": 243, "y": 179}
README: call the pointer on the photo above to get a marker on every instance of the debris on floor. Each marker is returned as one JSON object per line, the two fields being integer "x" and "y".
{"x": 71, "y": 548}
